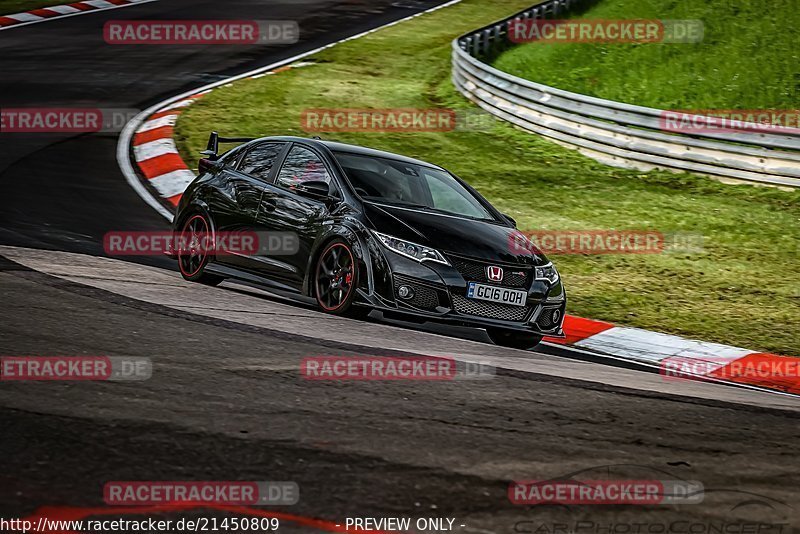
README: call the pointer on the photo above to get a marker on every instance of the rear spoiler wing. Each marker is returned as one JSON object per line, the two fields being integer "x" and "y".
{"x": 212, "y": 148}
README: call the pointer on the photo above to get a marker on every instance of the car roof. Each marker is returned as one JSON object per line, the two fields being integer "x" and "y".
{"x": 354, "y": 149}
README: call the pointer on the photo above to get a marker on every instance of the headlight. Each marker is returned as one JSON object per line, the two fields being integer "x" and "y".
{"x": 411, "y": 250}
{"x": 547, "y": 272}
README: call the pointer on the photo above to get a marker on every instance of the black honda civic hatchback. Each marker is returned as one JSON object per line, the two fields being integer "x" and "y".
{"x": 359, "y": 229}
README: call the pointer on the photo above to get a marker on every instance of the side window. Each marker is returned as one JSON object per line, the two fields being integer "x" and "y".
{"x": 258, "y": 162}
{"x": 301, "y": 165}
{"x": 230, "y": 157}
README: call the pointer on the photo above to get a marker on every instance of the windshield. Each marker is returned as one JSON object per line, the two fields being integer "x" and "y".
{"x": 409, "y": 185}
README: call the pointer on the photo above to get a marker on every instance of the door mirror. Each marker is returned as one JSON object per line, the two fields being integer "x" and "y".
{"x": 510, "y": 219}
{"x": 318, "y": 189}
{"x": 208, "y": 165}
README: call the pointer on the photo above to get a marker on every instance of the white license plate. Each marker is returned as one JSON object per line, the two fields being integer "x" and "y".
{"x": 502, "y": 295}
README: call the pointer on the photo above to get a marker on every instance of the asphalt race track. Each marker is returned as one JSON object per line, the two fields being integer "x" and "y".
{"x": 226, "y": 400}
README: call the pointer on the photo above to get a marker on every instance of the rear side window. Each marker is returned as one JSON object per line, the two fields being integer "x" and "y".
{"x": 258, "y": 162}
{"x": 230, "y": 157}
{"x": 301, "y": 165}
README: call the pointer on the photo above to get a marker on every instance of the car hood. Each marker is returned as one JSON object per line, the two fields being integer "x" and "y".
{"x": 449, "y": 234}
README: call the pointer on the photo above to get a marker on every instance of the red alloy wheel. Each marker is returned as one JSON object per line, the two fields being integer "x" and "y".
{"x": 335, "y": 277}
{"x": 192, "y": 259}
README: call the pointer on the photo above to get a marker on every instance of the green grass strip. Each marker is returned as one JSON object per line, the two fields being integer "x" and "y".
{"x": 748, "y": 58}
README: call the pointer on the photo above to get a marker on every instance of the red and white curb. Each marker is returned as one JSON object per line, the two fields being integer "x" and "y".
{"x": 678, "y": 357}
{"x": 62, "y": 11}
{"x": 156, "y": 155}
{"x": 149, "y": 138}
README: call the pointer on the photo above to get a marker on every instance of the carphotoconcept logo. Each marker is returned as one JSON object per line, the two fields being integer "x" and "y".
{"x": 74, "y": 368}
{"x": 606, "y": 31}
{"x": 201, "y": 32}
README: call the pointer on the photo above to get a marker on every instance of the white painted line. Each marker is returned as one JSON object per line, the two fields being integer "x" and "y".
{"x": 173, "y": 183}
{"x": 99, "y": 4}
{"x": 64, "y": 10}
{"x": 166, "y": 120}
{"x": 72, "y": 14}
{"x": 182, "y": 103}
{"x": 24, "y": 17}
{"x": 124, "y": 142}
{"x": 153, "y": 149}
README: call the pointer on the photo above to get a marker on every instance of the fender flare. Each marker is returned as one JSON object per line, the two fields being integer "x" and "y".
{"x": 355, "y": 233}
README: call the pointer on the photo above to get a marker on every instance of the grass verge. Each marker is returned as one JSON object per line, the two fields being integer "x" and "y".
{"x": 748, "y": 58}
{"x": 744, "y": 289}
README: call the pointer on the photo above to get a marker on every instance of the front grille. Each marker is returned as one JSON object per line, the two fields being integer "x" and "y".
{"x": 425, "y": 298}
{"x": 475, "y": 271}
{"x": 545, "y": 319}
{"x": 491, "y": 310}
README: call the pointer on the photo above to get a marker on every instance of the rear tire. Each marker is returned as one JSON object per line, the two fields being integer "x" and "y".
{"x": 192, "y": 261}
{"x": 513, "y": 339}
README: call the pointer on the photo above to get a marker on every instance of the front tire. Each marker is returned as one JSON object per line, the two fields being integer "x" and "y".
{"x": 513, "y": 339}
{"x": 193, "y": 253}
{"x": 336, "y": 277}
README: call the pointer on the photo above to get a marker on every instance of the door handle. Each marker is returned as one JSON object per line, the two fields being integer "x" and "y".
{"x": 269, "y": 203}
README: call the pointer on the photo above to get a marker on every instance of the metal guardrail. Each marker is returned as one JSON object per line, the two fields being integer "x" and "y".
{"x": 614, "y": 132}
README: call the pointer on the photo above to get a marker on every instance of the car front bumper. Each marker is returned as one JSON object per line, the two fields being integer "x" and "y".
{"x": 440, "y": 295}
